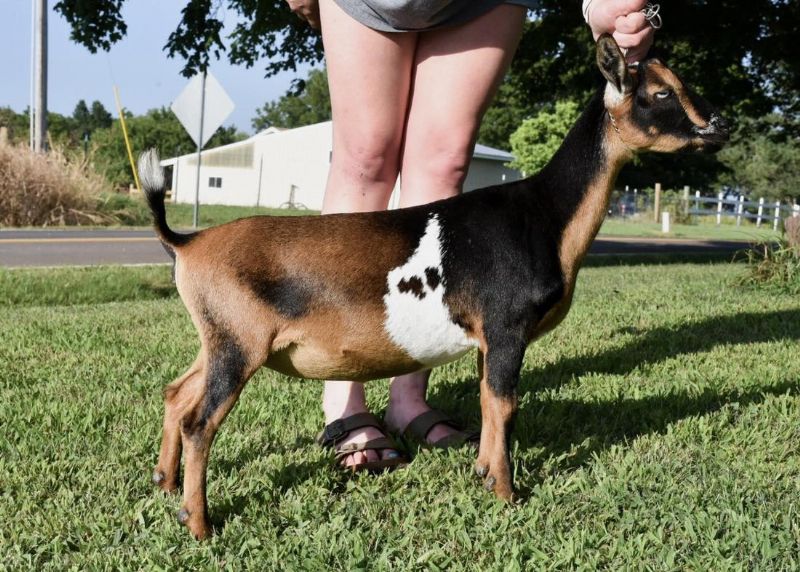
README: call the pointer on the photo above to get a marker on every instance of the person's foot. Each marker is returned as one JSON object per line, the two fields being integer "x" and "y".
{"x": 407, "y": 402}
{"x": 342, "y": 400}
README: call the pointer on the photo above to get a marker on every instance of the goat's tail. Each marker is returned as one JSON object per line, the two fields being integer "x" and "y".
{"x": 151, "y": 175}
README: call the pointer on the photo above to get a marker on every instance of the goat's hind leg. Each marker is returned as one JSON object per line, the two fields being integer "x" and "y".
{"x": 225, "y": 373}
{"x": 179, "y": 396}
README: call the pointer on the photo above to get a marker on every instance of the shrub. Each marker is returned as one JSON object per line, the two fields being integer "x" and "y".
{"x": 50, "y": 189}
{"x": 773, "y": 265}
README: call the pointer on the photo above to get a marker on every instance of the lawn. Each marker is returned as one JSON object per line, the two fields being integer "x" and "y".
{"x": 658, "y": 430}
{"x": 702, "y": 230}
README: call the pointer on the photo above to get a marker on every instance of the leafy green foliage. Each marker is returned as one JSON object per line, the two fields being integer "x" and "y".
{"x": 538, "y": 138}
{"x": 773, "y": 265}
{"x": 311, "y": 105}
{"x": 503, "y": 117}
{"x": 157, "y": 128}
{"x": 657, "y": 430}
{"x": 764, "y": 157}
{"x": 743, "y": 60}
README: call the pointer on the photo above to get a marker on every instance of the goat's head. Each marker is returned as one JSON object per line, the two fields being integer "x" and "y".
{"x": 652, "y": 109}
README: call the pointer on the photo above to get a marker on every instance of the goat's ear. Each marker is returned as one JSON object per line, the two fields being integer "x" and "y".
{"x": 612, "y": 64}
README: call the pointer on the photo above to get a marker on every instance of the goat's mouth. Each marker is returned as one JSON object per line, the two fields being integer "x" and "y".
{"x": 713, "y": 136}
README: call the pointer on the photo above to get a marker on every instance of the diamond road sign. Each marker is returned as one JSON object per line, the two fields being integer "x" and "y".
{"x": 218, "y": 106}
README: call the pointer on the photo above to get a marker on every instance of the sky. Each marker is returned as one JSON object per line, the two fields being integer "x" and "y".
{"x": 145, "y": 76}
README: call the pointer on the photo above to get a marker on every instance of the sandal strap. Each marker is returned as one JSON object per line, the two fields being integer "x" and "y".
{"x": 458, "y": 439}
{"x": 339, "y": 429}
{"x": 371, "y": 445}
{"x": 421, "y": 425}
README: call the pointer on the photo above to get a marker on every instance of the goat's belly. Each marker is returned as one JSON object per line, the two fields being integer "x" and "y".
{"x": 323, "y": 361}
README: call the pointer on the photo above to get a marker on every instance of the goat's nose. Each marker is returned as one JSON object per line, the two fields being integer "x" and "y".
{"x": 720, "y": 123}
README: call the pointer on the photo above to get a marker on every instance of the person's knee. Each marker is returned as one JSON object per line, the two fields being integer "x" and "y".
{"x": 368, "y": 159}
{"x": 443, "y": 161}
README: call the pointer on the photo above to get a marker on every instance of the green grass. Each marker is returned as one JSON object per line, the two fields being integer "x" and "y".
{"x": 638, "y": 228}
{"x": 181, "y": 215}
{"x": 658, "y": 429}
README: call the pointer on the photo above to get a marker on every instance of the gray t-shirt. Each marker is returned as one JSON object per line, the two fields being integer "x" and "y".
{"x": 418, "y": 15}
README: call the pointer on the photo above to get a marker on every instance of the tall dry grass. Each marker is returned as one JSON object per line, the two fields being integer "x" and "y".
{"x": 39, "y": 189}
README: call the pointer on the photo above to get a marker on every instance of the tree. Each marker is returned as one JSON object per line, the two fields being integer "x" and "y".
{"x": 764, "y": 158}
{"x": 311, "y": 105}
{"x": 538, "y": 138}
{"x": 744, "y": 59}
{"x": 157, "y": 128}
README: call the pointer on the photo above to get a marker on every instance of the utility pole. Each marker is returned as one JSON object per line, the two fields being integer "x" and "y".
{"x": 32, "y": 94}
{"x": 40, "y": 127}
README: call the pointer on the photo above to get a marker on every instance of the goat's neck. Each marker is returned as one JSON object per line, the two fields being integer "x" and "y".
{"x": 578, "y": 181}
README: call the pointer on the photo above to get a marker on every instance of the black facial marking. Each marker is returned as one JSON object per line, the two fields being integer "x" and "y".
{"x": 413, "y": 285}
{"x": 433, "y": 277}
{"x": 291, "y": 297}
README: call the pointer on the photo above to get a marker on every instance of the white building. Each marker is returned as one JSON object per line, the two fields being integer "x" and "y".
{"x": 279, "y": 168}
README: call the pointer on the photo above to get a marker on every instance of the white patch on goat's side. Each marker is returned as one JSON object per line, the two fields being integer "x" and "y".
{"x": 417, "y": 319}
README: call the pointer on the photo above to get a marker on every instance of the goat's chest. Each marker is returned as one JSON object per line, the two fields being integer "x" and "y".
{"x": 417, "y": 319}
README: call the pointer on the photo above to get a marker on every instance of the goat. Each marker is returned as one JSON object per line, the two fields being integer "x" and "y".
{"x": 372, "y": 295}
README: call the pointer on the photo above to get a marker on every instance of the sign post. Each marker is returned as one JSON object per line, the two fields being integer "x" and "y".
{"x": 201, "y": 108}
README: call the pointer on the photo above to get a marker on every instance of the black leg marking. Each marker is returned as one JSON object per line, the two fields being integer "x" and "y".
{"x": 224, "y": 372}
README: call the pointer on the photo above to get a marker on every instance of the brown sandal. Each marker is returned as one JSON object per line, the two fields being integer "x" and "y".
{"x": 420, "y": 426}
{"x": 336, "y": 432}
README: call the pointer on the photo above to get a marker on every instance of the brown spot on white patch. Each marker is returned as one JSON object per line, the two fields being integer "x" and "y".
{"x": 433, "y": 277}
{"x": 413, "y": 285}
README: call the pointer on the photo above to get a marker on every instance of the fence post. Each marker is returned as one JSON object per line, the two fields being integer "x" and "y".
{"x": 657, "y": 206}
{"x": 777, "y": 215}
{"x": 697, "y": 200}
{"x": 760, "y": 212}
{"x": 719, "y": 209}
{"x": 795, "y": 210}
{"x": 665, "y": 222}
{"x": 686, "y": 200}
{"x": 740, "y": 210}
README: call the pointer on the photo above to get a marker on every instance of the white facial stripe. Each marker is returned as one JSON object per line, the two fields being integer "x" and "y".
{"x": 417, "y": 319}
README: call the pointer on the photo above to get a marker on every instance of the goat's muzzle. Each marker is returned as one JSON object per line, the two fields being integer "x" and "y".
{"x": 715, "y": 134}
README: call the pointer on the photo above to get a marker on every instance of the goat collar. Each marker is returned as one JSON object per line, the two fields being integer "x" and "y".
{"x": 616, "y": 128}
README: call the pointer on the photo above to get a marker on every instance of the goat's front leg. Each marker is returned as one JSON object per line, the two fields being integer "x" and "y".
{"x": 500, "y": 366}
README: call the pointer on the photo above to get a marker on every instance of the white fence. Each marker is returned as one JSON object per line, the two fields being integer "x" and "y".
{"x": 760, "y": 211}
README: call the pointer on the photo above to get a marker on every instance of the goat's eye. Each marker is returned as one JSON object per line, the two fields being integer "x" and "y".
{"x": 663, "y": 94}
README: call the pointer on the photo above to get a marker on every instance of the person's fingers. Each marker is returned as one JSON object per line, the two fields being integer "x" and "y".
{"x": 631, "y": 24}
{"x": 635, "y": 46}
{"x": 625, "y": 7}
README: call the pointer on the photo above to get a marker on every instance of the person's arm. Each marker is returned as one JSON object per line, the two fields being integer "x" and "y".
{"x": 307, "y": 10}
{"x": 623, "y": 19}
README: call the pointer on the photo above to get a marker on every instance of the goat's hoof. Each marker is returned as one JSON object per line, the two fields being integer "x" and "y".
{"x": 183, "y": 516}
{"x": 489, "y": 483}
{"x": 167, "y": 485}
{"x": 481, "y": 470}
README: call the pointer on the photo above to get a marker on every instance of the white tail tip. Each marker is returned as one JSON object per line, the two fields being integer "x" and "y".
{"x": 151, "y": 175}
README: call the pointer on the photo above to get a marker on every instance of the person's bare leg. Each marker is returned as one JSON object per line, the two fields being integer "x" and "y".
{"x": 457, "y": 72}
{"x": 369, "y": 74}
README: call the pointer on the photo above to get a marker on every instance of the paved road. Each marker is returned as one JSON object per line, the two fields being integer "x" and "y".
{"x": 92, "y": 247}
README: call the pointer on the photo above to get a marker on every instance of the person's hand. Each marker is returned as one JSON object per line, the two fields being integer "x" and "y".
{"x": 625, "y": 21}
{"x": 307, "y": 10}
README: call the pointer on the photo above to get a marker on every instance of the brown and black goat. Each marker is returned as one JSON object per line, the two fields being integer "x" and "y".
{"x": 371, "y": 295}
